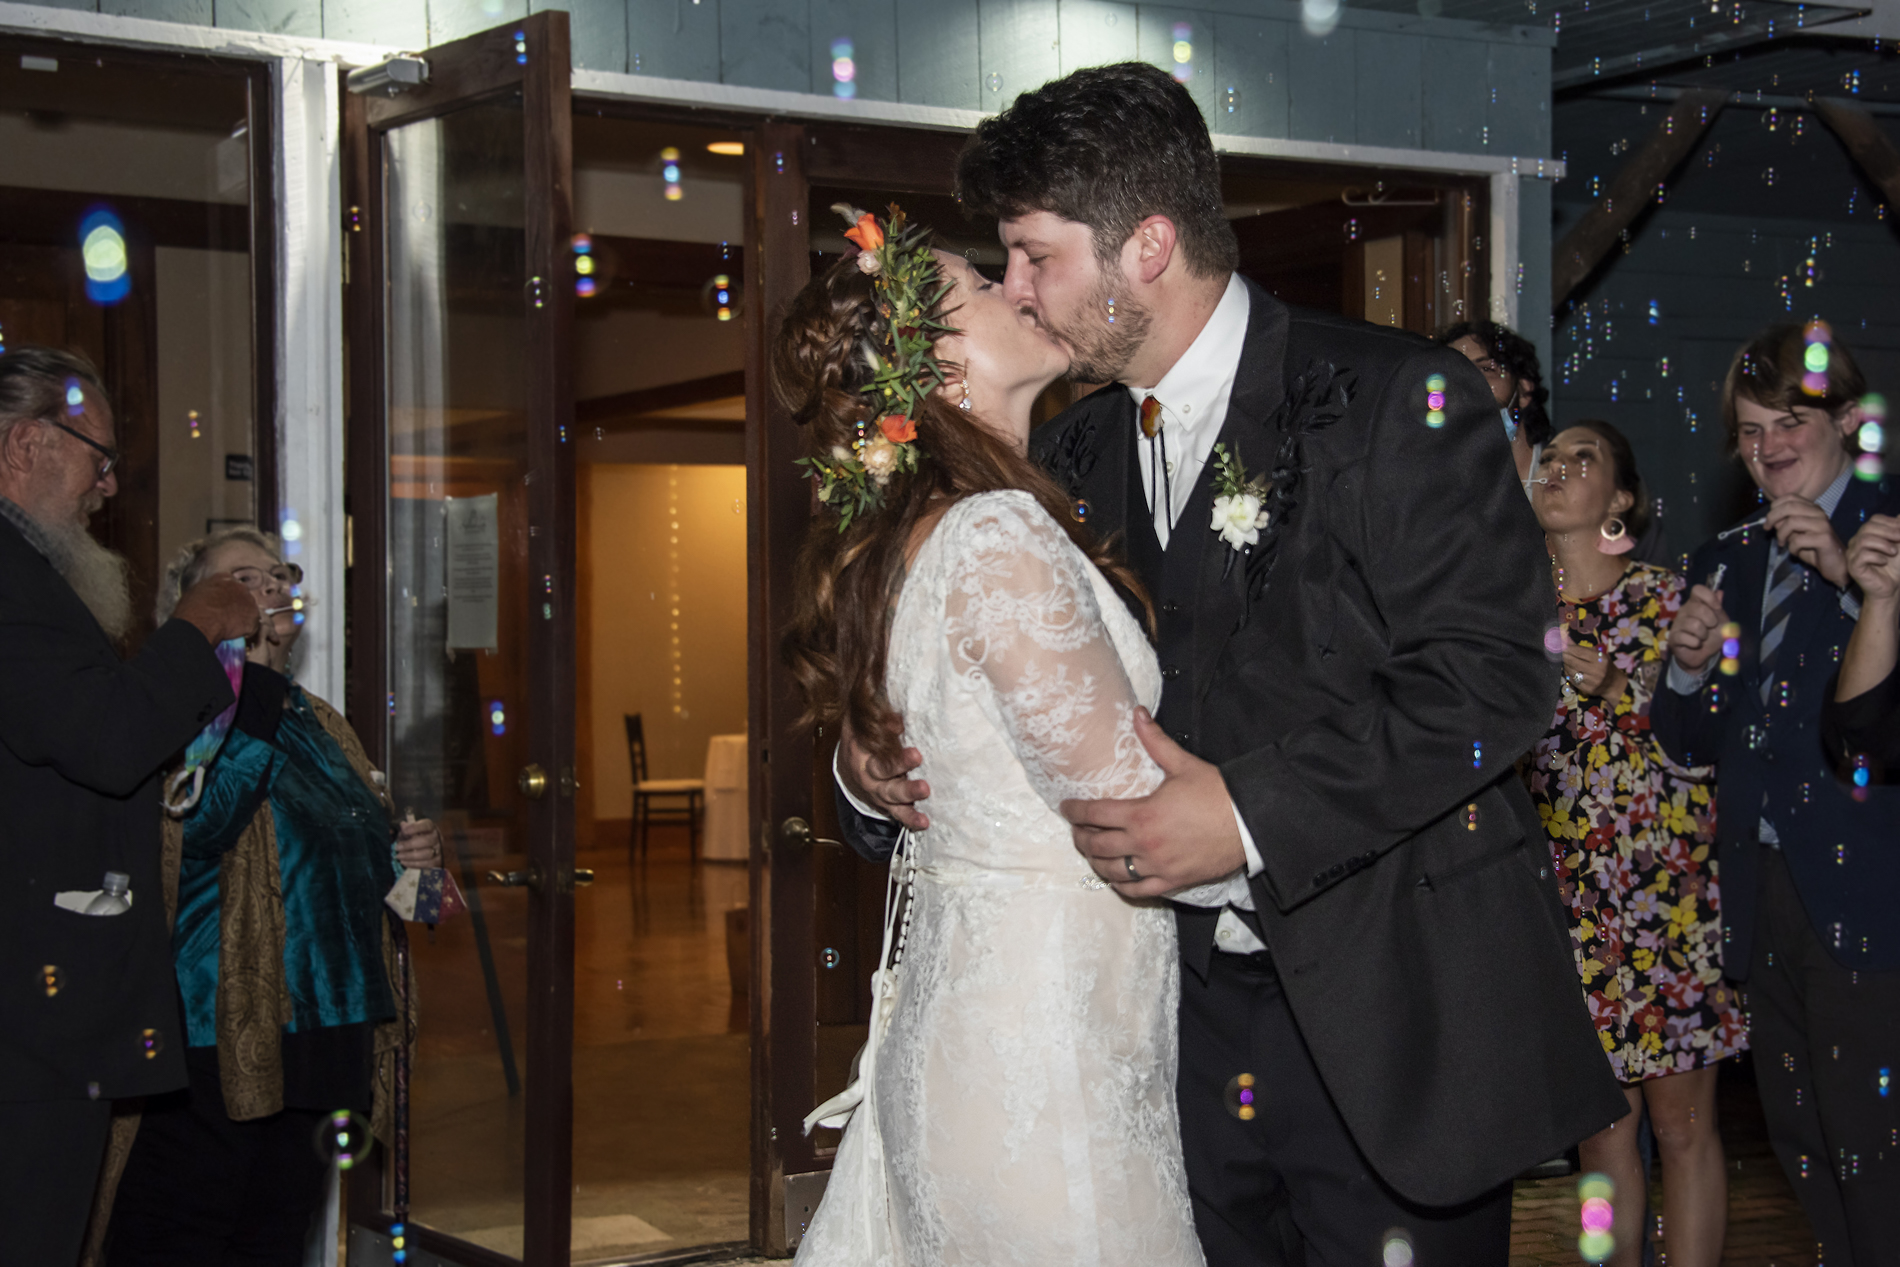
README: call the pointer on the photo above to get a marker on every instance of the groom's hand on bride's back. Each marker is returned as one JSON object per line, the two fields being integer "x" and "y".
{"x": 1180, "y": 835}
{"x": 881, "y": 783}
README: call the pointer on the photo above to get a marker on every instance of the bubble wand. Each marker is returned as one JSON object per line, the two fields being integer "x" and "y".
{"x": 206, "y": 744}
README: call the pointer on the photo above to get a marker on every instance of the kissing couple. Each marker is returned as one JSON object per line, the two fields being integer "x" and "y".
{"x": 1220, "y": 928}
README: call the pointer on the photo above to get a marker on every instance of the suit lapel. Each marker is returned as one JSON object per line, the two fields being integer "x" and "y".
{"x": 1817, "y": 598}
{"x": 1248, "y": 431}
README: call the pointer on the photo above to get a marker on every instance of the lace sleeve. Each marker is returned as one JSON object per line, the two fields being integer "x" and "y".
{"x": 1023, "y": 623}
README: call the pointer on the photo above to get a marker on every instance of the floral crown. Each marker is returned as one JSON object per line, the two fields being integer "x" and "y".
{"x": 904, "y": 370}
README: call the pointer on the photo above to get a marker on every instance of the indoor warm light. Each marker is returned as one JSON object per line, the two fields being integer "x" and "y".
{"x": 731, "y": 149}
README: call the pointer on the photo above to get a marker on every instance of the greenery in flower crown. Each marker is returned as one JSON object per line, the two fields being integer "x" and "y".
{"x": 908, "y": 286}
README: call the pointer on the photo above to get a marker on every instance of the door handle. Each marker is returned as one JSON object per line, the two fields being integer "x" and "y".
{"x": 529, "y": 879}
{"x": 533, "y": 782}
{"x": 795, "y": 831}
{"x": 583, "y": 876}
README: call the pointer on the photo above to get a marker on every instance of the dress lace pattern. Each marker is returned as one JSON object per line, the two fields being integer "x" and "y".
{"x": 1019, "y": 1103}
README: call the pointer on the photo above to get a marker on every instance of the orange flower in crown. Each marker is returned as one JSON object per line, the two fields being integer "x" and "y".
{"x": 866, "y": 233}
{"x": 897, "y": 428}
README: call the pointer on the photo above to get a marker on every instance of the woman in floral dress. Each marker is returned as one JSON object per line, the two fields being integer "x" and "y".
{"x": 1633, "y": 839}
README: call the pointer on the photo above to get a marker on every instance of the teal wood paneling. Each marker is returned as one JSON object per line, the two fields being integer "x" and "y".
{"x": 452, "y": 19}
{"x": 937, "y": 55}
{"x": 765, "y": 44}
{"x": 195, "y": 12}
{"x": 82, "y": 6}
{"x": 1250, "y": 80}
{"x": 1155, "y": 45}
{"x": 673, "y": 39}
{"x": 400, "y": 24}
{"x": 871, "y": 26}
{"x": 1016, "y": 47}
{"x": 1095, "y": 33}
{"x": 597, "y": 30}
{"x": 1322, "y": 86}
{"x": 1533, "y": 284}
{"x": 1519, "y": 115}
{"x": 1390, "y": 93}
{"x": 1457, "y": 93}
{"x": 275, "y": 17}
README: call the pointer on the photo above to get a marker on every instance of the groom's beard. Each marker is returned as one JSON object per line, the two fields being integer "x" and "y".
{"x": 101, "y": 578}
{"x": 1100, "y": 350}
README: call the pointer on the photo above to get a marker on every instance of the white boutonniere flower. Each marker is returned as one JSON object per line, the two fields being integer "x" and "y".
{"x": 1239, "y": 502}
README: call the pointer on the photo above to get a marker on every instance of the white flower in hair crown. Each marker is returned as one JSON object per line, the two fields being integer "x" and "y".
{"x": 1238, "y": 501}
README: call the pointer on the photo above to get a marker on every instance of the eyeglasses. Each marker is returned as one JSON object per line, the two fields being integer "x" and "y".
{"x": 109, "y": 456}
{"x": 280, "y": 578}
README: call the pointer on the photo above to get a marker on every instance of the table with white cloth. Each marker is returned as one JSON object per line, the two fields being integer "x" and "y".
{"x": 725, "y": 838}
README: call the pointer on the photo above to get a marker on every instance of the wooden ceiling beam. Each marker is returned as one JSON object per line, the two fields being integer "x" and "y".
{"x": 1865, "y": 141}
{"x": 1594, "y": 236}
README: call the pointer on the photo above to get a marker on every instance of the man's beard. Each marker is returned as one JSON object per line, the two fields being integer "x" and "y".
{"x": 1100, "y": 351}
{"x": 101, "y": 578}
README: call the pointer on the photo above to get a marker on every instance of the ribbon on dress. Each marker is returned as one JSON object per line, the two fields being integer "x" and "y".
{"x": 835, "y": 1112}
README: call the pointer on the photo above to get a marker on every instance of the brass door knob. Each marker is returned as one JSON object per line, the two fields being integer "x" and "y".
{"x": 533, "y": 782}
{"x": 795, "y": 831}
{"x": 583, "y": 876}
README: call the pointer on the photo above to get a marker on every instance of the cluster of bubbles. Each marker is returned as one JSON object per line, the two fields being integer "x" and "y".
{"x": 1183, "y": 52}
{"x": 844, "y": 68}
{"x": 102, "y": 247}
{"x": 497, "y": 717}
{"x": 584, "y": 265}
{"x": 670, "y": 172}
{"x": 1814, "y": 357}
{"x": 1597, "y": 1216}
{"x": 1435, "y": 401}
{"x": 1871, "y": 464}
{"x": 1731, "y": 649}
{"x": 719, "y": 291}
{"x": 521, "y": 47}
{"x": 343, "y": 1139}
{"x": 1241, "y": 1096}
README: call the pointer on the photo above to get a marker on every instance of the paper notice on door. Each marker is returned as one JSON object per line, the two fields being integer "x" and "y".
{"x": 474, "y": 569}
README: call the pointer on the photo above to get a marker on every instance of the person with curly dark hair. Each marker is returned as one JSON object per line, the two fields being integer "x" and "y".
{"x": 1014, "y": 1101}
{"x": 1509, "y": 364}
{"x": 1353, "y": 660}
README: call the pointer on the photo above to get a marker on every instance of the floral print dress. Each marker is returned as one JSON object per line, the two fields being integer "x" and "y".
{"x": 1633, "y": 838}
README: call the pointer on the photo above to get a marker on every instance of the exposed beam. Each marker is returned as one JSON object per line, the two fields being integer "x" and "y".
{"x": 1742, "y": 100}
{"x": 1747, "y": 35}
{"x": 1634, "y": 184}
{"x": 1865, "y": 141}
{"x": 692, "y": 391}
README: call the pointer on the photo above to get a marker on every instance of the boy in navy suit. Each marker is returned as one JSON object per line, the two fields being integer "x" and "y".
{"x": 1811, "y": 862}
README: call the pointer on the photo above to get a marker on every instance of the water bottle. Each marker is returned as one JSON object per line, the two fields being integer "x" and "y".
{"x": 113, "y": 899}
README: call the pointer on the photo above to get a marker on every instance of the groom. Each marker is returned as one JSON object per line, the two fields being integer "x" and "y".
{"x": 1347, "y": 684}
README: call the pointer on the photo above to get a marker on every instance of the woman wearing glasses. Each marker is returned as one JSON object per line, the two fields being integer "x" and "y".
{"x": 1508, "y": 362}
{"x": 276, "y": 879}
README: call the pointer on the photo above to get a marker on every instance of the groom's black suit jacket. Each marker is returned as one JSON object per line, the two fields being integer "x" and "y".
{"x": 1365, "y": 680}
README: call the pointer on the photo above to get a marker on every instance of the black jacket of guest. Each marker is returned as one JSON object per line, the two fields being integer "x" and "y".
{"x": 1866, "y": 726}
{"x": 1366, "y": 697}
{"x": 83, "y": 735}
{"x": 1840, "y": 850}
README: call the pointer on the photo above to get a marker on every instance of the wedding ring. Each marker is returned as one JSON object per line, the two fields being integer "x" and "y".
{"x": 1133, "y": 874}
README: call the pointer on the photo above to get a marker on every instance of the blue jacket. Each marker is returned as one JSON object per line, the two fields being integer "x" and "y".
{"x": 1842, "y": 848}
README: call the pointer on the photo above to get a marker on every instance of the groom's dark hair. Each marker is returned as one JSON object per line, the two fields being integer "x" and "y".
{"x": 1107, "y": 147}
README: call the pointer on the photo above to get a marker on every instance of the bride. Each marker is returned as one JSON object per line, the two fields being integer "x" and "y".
{"x": 1015, "y": 1103}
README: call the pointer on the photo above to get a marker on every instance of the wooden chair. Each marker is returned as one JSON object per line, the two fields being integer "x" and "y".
{"x": 669, "y": 792}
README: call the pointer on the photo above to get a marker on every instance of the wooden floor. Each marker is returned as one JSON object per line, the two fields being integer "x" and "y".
{"x": 662, "y": 1082}
{"x": 1765, "y": 1225}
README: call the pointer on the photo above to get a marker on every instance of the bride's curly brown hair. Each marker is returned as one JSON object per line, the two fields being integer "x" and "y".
{"x": 848, "y": 581}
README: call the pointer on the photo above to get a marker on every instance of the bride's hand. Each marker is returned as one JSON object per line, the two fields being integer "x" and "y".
{"x": 876, "y": 782}
{"x": 1181, "y": 834}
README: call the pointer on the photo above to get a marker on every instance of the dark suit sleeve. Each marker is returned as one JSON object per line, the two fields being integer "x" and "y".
{"x": 102, "y": 723}
{"x": 1868, "y": 724}
{"x": 1451, "y": 560}
{"x": 1692, "y": 728}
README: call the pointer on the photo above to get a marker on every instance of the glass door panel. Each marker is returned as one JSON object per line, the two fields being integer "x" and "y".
{"x": 459, "y": 472}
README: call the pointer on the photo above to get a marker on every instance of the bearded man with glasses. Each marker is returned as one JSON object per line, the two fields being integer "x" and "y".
{"x": 88, "y": 1007}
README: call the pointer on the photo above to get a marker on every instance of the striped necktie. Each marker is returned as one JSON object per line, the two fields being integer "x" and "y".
{"x": 1783, "y": 584}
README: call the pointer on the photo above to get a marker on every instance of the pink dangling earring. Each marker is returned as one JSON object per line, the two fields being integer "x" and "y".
{"x": 1613, "y": 537}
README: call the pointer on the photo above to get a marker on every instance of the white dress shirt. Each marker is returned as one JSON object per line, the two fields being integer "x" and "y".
{"x": 1194, "y": 395}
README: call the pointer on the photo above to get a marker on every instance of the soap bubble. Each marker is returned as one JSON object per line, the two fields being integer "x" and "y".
{"x": 343, "y": 1139}
{"x": 52, "y": 979}
{"x": 151, "y": 1042}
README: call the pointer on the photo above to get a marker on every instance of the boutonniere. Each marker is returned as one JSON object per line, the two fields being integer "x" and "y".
{"x": 1239, "y": 502}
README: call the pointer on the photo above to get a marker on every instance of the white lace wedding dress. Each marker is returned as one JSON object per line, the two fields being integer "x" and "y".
{"x": 1017, "y": 1095}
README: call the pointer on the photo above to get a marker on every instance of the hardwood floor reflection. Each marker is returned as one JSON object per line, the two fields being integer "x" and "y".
{"x": 661, "y": 1064}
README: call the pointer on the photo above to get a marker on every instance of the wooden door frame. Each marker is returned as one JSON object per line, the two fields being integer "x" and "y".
{"x": 532, "y": 57}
